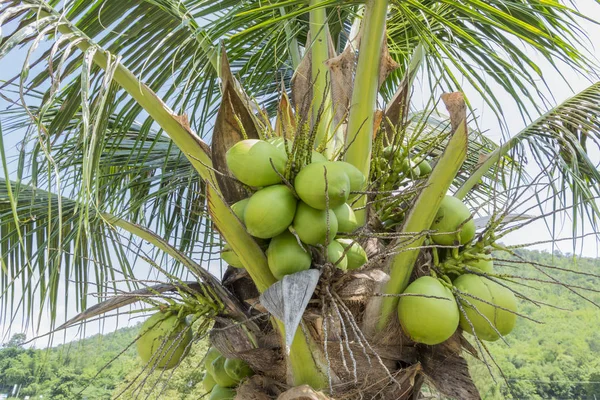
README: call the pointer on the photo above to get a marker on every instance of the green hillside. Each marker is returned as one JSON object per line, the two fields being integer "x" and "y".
{"x": 558, "y": 359}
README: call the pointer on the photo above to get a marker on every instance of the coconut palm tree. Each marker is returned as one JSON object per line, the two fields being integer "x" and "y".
{"x": 124, "y": 111}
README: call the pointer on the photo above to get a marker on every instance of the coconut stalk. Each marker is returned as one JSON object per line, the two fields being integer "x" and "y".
{"x": 322, "y": 113}
{"x": 364, "y": 97}
{"x": 303, "y": 367}
{"x": 421, "y": 216}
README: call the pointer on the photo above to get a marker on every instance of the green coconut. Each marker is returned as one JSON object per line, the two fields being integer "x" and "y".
{"x": 229, "y": 256}
{"x": 424, "y": 168}
{"x": 451, "y": 217}
{"x": 279, "y": 143}
{"x": 270, "y": 211}
{"x": 210, "y": 356}
{"x": 222, "y": 393}
{"x": 237, "y": 369}
{"x": 485, "y": 289}
{"x": 220, "y": 375}
{"x": 336, "y": 256}
{"x": 164, "y": 340}
{"x": 311, "y": 225}
{"x": 239, "y": 208}
{"x": 310, "y": 185}
{"x": 346, "y": 218}
{"x": 356, "y": 255}
{"x": 485, "y": 263}
{"x": 208, "y": 382}
{"x": 285, "y": 256}
{"x": 318, "y": 157}
{"x": 250, "y": 162}
{"x": 425, "y": 319}
{"x": 357, "y": 179}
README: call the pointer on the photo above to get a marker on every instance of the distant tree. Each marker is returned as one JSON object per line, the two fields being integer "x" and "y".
{"x": 17, "y": 340}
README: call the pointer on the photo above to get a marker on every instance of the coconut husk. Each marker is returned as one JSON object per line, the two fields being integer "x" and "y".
{"x": 303, "y": 392}
{"x": 258, "y": 388}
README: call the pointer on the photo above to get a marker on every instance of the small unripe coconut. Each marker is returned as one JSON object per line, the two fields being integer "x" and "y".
{"x": 270, "y": 211}
{"x": 229, "y": 256}
{"x": 424, "y": 168}
{"x": 237, "y": 369}
{"x": 222, "y": 393}
{"x": 336, "y": 256}
{"x": 428, "y": 320}
{"x": 310, "y": 185}
{"x": 451, "y": 217}
{"x": 346, "y": 218}
{"x": 356, "y": 255}
{"x": 485, "y": 263}
{"x": 239, "y": 208}
{"x": 311, "y": 225}
{"x": 493, "y": 293}
{"x": 210, "y": 356}
{"x": 285, "y": 256}
{"x": 208, "y": 382}
{"x": 250, "y": 161}
{"x": 318, "y": 157}
{"x": 164, "y": 340}
{"x": 357, "y": 179}
{"x": 220, "y": 375}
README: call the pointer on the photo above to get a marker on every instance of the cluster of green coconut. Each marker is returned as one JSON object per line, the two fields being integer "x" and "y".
{"x": 296, "y": 211}
{"x": 164, "y": 340}
{"x": 433, "y": 308}
{"x": 223, "y": 375}
{"x": 394, "y": 166}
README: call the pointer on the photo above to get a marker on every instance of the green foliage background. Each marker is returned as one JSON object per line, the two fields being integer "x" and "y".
{"x": 559, "y": 359}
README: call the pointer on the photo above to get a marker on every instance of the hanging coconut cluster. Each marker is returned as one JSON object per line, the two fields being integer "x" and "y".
{"x": 164, "y": 340}
{"x": 300, "y": 205}
{"x": 223, "y": 375}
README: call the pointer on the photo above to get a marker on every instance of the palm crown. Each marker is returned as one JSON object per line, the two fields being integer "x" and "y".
{"x": 112, "y": 167}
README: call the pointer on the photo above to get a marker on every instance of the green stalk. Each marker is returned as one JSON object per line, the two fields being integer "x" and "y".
{"x": 420, "y": 219}
{"x": 364, "y": 97}
{"x": 293, "y": 46}
{"x": 320, "y": 75}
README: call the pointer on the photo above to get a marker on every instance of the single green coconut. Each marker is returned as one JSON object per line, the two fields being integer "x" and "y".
{"x": 270, "y": 211}
{"x": 208, "y": 382}
{"x": 356, "y": 255}
{"x": 210, "y": 356}
{"x": 229, "y": 256}
{"x": 424, "y": 168}
{"x": 451, "y": 217}
{"x": 346, "y": 218}
{"x": 220, "y": 375}
{"x": 311, "y": 225}
{"x": 310, "y": 185}
{"x": 357, "y": 179}
{"x": 164, "y": 340}
{"x": 485, "y": 289}
{"x": 239, "y": 208}
{"x": 428, "y": 320}
{"x": 279, "y": 143}
{"x": 237, "y": 369}
{"x": 336, "y": 256}
{"x": 285, "y": 256}
{"x": 222, "y": 393}
{"x": 485, "y": 263}
{"x": 250, "y": 161}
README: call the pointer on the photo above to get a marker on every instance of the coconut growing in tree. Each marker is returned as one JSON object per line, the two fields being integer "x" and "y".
{"x": 235, "y": 148}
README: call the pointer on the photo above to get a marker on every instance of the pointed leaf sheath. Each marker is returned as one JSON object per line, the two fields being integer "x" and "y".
{"x": 234, "y": 120}
{"x": 423, "y": 211}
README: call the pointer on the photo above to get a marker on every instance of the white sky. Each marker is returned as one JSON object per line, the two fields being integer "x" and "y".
{"x": 561, "y": 90}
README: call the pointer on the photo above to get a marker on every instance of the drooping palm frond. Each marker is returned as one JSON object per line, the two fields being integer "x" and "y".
{"x": 563, "y": 145}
